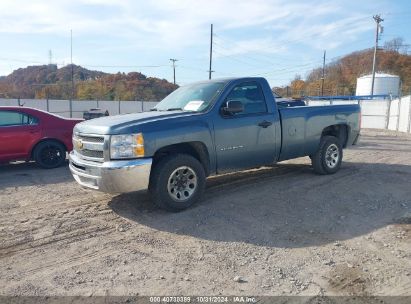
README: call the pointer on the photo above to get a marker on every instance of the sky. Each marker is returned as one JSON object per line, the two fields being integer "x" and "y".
{"x": 276, "y": 39}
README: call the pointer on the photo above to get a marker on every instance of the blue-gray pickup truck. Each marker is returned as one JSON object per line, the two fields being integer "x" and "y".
{"x": 203, "y": 129}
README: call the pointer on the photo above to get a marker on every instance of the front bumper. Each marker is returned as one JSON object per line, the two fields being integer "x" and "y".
{"x": 117, "y": 176}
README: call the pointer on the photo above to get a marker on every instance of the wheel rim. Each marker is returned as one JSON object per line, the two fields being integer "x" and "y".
{"x": 51, "y": 155}
{"x": 182, "y": 184}
{"x": 332, "y": 156}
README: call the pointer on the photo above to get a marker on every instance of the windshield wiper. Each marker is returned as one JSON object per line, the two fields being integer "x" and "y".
{"x": 153, "y": 109}
{"x": 175, "y": 109}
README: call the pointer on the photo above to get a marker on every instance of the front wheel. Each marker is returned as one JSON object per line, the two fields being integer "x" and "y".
{"x": 177, "y": 182}
{"x": 49, "y": 154}
{"x": 327, "y": 159}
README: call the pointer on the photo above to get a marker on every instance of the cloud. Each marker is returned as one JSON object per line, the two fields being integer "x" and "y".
{"x": 328, "y": 34}
{"x": 177, "y": 24}
{"x": 126, "y": 31}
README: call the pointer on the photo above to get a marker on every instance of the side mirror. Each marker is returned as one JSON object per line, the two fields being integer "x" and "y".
{"x": 233, "y": 107}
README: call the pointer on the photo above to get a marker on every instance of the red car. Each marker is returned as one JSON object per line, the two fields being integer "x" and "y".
{"x": 31, "y": 134}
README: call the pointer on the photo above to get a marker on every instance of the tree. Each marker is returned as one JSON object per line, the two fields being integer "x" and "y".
{"x": 341, "y": 75}
{"x": 394, "y": 45}
{"x": 31, "y": 82}
{"x": 297, "y": 86}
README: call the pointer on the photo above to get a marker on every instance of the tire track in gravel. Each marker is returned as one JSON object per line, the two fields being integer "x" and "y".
{"x": 71, "y": 236}
{"x": 69, "y": 204}
{"x": 283, "y": 173}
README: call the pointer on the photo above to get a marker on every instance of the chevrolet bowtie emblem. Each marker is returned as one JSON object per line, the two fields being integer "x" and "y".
{"x": 79, "y": 144}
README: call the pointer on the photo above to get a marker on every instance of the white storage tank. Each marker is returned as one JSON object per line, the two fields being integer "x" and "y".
{"x": 384, "y": 84}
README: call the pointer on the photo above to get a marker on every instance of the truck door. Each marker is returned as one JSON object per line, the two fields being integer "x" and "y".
{"x": 246, "y": 139}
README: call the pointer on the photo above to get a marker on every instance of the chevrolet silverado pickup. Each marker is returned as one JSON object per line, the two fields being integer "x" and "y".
{"x": 204, "y": 129}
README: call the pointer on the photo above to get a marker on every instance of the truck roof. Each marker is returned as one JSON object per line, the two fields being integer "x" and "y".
{"x": 228, "y": 79}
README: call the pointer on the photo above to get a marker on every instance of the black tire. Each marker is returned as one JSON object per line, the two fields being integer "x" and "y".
{"x": 49, "y": 154}
{"x": 327, "y": 159}
{"x": 164, "y": 177}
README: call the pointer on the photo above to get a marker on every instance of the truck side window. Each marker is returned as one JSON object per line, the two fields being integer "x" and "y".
{"x": 251, "y": 96}
{"x": 10, "y": 118}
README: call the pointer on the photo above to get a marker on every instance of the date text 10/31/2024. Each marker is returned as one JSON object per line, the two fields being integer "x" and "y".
{"x": 203, "y": 299}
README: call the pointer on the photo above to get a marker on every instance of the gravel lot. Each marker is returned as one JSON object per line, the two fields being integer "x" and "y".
{"x": 272, "y": 231}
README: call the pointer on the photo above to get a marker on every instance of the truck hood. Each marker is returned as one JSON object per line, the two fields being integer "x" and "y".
{"x": 118, "y": 123}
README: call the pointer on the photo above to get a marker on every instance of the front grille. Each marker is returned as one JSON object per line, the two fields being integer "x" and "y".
{"x": 92, "y": 153}
{"x": 91, "y": 139}
{"x": 89, "y": 147}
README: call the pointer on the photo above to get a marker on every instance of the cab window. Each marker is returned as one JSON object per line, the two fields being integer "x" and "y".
{"x": 251, "y": 96}
{"x": 11, "y": 118}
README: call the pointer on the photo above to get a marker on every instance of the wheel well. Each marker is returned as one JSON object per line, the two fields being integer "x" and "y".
{"x": 339, "y": 131}
{"x": 196, "y": 149}
{"x": 45, "y": 140}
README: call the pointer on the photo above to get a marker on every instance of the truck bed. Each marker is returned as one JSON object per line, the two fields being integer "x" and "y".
{"x": 301, "y": 127}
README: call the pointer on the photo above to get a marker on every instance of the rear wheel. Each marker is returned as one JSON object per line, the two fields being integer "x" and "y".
{"x": 327, "y": 159}
{"x": 49, "y": 154}
{"x": 177, "y": 182}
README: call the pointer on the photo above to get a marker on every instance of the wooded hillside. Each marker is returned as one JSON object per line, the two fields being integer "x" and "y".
{"x": 341, "y": 75}
{"x": 48, "y": 81}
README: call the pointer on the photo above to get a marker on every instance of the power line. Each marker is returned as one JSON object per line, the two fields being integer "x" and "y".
{"x": 284, "y": 42}
{"x": 21, "y": 60}
{"x": 242, "y": 54}
{"x": 84, "y": 65}
{"x": 237, "y": 46}
{"x": 123, "y": 66}
{"x": 231, "y": 57}
{"x": 287, "y": 70}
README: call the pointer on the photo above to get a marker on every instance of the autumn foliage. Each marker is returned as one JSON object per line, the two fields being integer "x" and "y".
{"x": 341, "y": 75}
{"x": 47, "y": 81}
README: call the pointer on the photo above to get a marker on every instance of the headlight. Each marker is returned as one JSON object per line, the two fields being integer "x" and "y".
{"x": 127, "y": 146}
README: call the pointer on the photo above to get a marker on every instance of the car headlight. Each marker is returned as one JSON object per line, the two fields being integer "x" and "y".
{"x": 127, "y": 146}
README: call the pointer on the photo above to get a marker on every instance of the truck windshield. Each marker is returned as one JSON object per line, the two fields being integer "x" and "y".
{"x": 193, "y": 97}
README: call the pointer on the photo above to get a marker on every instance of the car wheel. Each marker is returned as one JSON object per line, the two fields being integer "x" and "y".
{"x": 177, "y": 182}
{"x": 327, "y": 159}
{"x": 49, "y": 154}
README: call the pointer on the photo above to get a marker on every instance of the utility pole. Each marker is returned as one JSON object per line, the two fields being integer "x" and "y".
{"x": 174, "y": 68}
{"x": 72, "y": 73}
{"x": 211, "y": 52}
{"x": 50, "y": 57}
{"x": 323, "y": 75}
{"x": 378, "y": 20}
{"x": 71, "y": 60}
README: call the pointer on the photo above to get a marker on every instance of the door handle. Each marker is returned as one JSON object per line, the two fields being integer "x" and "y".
{"x": 265, "y": 124}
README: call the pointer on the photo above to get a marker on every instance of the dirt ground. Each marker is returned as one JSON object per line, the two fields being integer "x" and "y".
{"x": 280, "y": 231}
